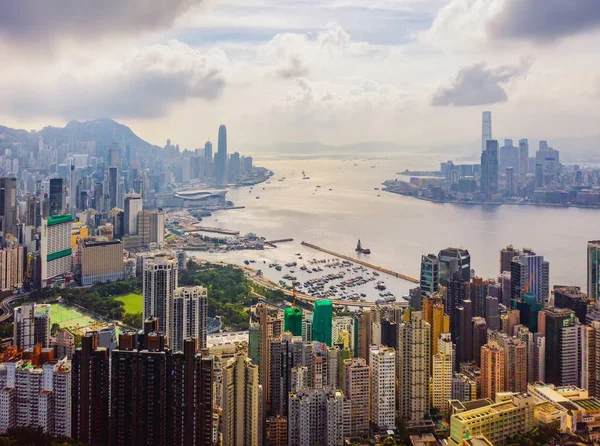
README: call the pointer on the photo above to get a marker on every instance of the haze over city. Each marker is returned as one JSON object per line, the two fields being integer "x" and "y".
{"x": 416, "y": 73}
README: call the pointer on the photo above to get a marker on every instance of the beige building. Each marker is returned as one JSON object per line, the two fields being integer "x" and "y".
{"x": 11, "y": 267}
{"x": 492, "y": 370}
{"x": 442, "y": 373}
{"x": 99, "y": 260}
{"x": 357, "y": 388}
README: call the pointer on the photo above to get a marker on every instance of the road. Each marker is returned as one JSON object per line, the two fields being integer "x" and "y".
{"x": 6, "y": 310}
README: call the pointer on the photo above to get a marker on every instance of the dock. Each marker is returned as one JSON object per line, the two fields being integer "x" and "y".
{"x": 273, "y": 243}
{"x": 363, "y": 263}
{"x": 215, "y": 230}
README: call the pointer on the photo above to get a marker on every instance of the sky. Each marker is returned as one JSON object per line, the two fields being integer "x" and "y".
{"x": 415, "y": 73}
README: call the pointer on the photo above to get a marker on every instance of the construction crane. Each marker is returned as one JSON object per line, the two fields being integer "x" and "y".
{"x": 294, "y": 294}
{"x": 526, "y": 288}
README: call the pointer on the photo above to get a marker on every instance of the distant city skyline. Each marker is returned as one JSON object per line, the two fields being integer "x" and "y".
{"x": 321, "y": 74}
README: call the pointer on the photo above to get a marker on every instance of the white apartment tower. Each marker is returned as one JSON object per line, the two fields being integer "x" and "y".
{"x": 159, "y": 283}
{"x": 31, "y": 326}
{"x": 190, "y": 307}
{"x": 413, "y": 368}
{"x": 357, "y": 388}
{"x": 442, "y": 373}
{"x": 383, "y": 387}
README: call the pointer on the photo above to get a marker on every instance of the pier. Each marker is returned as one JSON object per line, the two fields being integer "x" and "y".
{"x": 273, "y": 243}
{"x": 363, "y": 263}
{"x": 215, "y": 230}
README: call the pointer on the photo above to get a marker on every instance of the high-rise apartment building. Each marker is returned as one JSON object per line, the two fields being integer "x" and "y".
{"x": 492, "y": 370}
{"x": 132, "y": 207}
{"x": 383, "y": 387}
{"x": 430, "y": 274}
{"x": 12, "y": 261}
{"x": 221, "y": 157}
{"x": 434, "y": 315}
{"x": 159, "y": 283}
{"x": 486, "y": 129}
{"x": 414, "y": 365}
{"x": 189, "y": 317}
{"x": 593, "y": 269}
{"x": 8, "y": 206}
{"x": 286, "y": 352}
{"x": 90, "y": 392}
{"x": 562, "y": 347}
{"x": 241, "y": 418}
{"x": 55, "y": 250}
{"x": 489, "y": 170}
{"x": 441, "y": 373}
{"x": 357, "y": 388}
{"x": 322, "y": 321}
{"x": 31, "y": 326}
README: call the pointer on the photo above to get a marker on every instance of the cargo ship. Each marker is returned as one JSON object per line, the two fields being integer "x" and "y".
{"x": 362, "y": 250}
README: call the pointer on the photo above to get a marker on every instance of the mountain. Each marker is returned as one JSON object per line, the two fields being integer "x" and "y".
{"x": 104, "y": 131}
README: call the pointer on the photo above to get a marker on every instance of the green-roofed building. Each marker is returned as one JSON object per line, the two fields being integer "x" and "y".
{"x": 292, "y": 320}
{"x": 322, "y": 321}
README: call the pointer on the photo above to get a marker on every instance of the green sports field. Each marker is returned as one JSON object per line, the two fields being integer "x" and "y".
{"x": 133, "y": 303}
{"x": 70, "y": 318}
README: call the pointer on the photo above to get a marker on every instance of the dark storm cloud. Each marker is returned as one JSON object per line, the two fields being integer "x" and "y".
{"x": 145, "y": 86}
{"x": 43, "y": 21}
{"x": 545, "y": 20}
{"x": 478, "y": 85}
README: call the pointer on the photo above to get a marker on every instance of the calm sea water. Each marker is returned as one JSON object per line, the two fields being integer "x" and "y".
{"x": 397, "y": 229}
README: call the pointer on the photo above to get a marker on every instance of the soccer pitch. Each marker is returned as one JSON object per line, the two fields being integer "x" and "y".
{"x": 70, "y": 318}
{"x": 133, "y": 303}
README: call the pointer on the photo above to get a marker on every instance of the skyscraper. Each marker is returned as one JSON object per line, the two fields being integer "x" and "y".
{"x": 113, "y": 187}
{"x": 414, "y": 365}
{"x": 159, "y": 283}
{"x": 8, "y": 206}
{"x": 57, "y": 197}
{"x": 489, "y": 170}
{"x": 383, "y": 388}
{"x": 31, "y": 326}
{"x": 286, "y": 352}
{"x": 430, "y": 274}
{"x": 593, "y": 269}
{"x": 486, "y": 129}
{"x": 533, "y": 272}
{"x": 492, "y": 370}
{"x": 357, "y": 388}
{"x": 292, "y": 318}
{"x": 133, "y": 205}
{"x": 322, "y": 321}
{"x": 316, "y": 417}
{"x": 454, "y": 260}
{"x": 208, "y": 153}
{"x": 189, "y": 317}
{"x": 90, "y": 391}
{"x": 221, "y": 159}
{"x": 441, "y": 373}
{"x": 562, "y": 347}
{"x": 523, "y": 160}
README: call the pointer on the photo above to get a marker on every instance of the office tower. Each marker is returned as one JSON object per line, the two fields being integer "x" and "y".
{"x": 316, "y": 417}
{"x": 454, "y": 260}
{"x": 572, "y": 298}
{"x": 539, "y": 176}
{"x": 530, "y": 273}
{"x": 383, "y": 387}
{"x": 357, "y": 388}
{"x": 63, "y": 343}
{"x": 208, "y": 153}
{"x": 363, "y": 335}
{"x": 99, "y": 260}
{"x": 434, "y": 315}
{"x": 286, "y": 352}
{"x": 36, "y": 393}
{"x": 115, "y": 155}
{"x": 159, "y": 283}
{"x": 562, "y": 347}
{"x": 113, "y": 187}
{"x": 464, "y": 340}
{"x": 441, "y": 373}
{"x": 523, "y": 160}
{"x": 292, "y": 319}
{"x": 492, "y": 314}
{"x": 12, "y": 260}
{"x": 489, "y": 170}
{"x": 233, "y": 166}
{"x": 55, "y": 249}
{"x": 322, "y": 321}
{"x": 593, "y": 269}
{"x": 492, "y": 370}
{"x": 8, "y": 206}
{"x": 479, "y": 338}
{"x": 506, "y": 255}
{"x": 486, "y": 129}
{"x": 477, "y": 290}
{"x": 494, "y": 422}
{"x": 151, "y": 227}
{"x": 221, "y": 157}
{"x": 90, "y": 391}
{"x": 133, "y": 206}
{"x": 430, "y": 274}
{"x": 241, "y": 416}
{"x": 456, "y": 295}
{"x": 510, "y": 182}
{"x": 56, "y": 197}
{"x": 33, "y": 213}
{"x": 31, "y": 326}
{"x": 189, "y": 317}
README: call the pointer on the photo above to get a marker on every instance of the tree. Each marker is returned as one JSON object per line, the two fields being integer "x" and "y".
{"x": 6, "y": 330}
{"x": 135, "y": 320}
{"x": 55, "y": 327}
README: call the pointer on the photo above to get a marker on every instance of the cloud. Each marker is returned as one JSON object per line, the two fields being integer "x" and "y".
{"x": 36, "y": 22}
{"x": 295, "y": 67}
{"x": 544, "y": 20}
{"x": 145, "y": 85}
{"x": 479, "y": 85}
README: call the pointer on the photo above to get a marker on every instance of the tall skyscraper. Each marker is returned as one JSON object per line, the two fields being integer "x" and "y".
{"x": 90, "y": 391}
{"x": 441, "y": 373}
{"x": 489, "y": 170}
{"x": 492, "y": 370}
{"x": 113, "y": 187}
{"x": 486, "y": 129}
{"x": 383, "y": 387}
{"x": 562, "y": 347}
{"x": 286, "y": 352}
{"x": 414, "y": 365}
{"x": 523, "y": 160}
{"x": 322, "y": 321}
{"x": 189, "y": 317}
{"x": 506, "y": 255}
{"x": 133, "y": 205}
{"x": 56, "y": 197}
{"x": 510, "y": 182}
{"x": 8, "y": 206}
{"x": 454, "y": 260}
{"x": 159, "y": 283}
{"x": 221, "y": 159}
{"x": 533, "y": 272}
{"x": 208, "y": 153}
{"x": 31, "y": 326}
{"x": 430, "y": 274}
{"x": 593, "y": 269}
{"x": 357, "y": 388}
